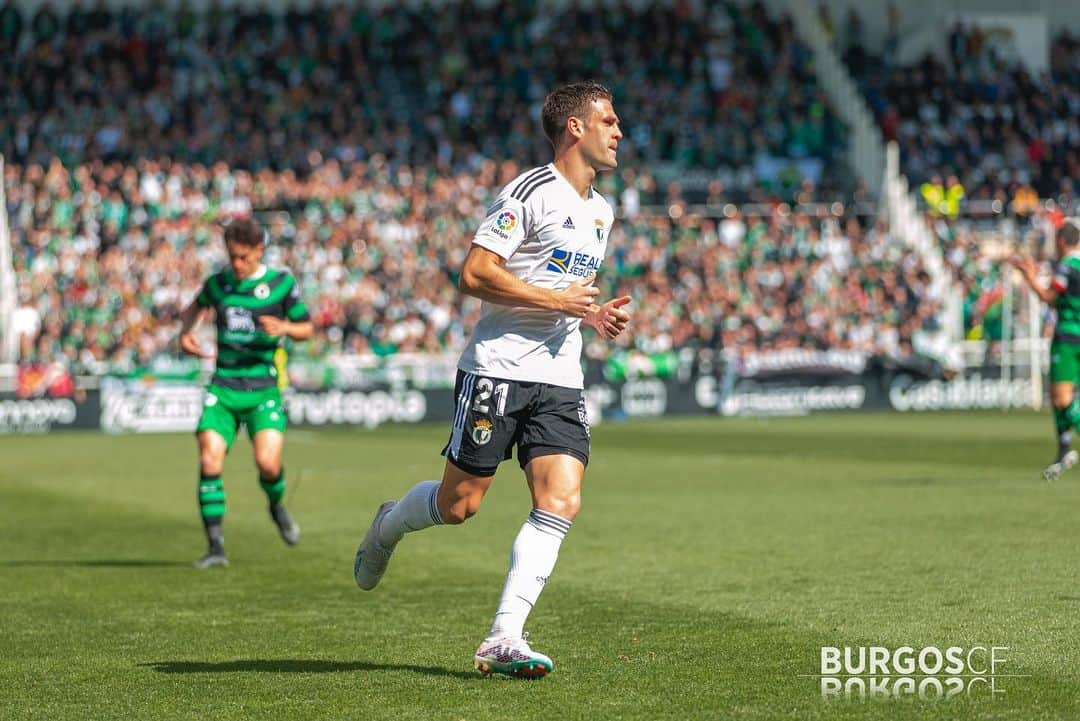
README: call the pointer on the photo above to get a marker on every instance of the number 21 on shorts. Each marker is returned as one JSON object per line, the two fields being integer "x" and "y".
{"x": 487, "y": 389}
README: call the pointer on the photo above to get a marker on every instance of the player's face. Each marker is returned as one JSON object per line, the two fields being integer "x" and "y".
{"x": 601, "y": 139}
{"x": 244, "y": 259}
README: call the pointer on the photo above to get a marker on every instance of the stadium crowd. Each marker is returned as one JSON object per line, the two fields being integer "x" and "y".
{"x": 977, "y": 125}
{"x": 259, "y": 90}
{"x": 108, "y": 255}
{"x": 131, "y": 134}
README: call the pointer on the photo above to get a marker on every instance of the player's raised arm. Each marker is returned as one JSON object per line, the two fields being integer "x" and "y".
{"x": 297, "y": 323}
{"x": 484, "y": 277}
{"x": 279, "y": 326}
{"x": 1030, "y": 271}
{"x": 190, "y": 319}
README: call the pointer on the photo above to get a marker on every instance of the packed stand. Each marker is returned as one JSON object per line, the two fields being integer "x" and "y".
{"x": 977, "y": 128}
{"x": 990, "y": 149}
{"x": 718, "y": 87}
{"x": 131, "y": 134}
{"x": 775, "y": 281}
{"x": 108, "y": 255}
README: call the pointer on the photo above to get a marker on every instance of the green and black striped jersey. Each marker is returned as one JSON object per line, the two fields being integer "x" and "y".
{"x": 245, "y": 353}
{"x": 1067, "y": 284}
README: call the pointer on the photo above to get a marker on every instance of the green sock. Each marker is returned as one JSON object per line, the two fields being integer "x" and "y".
{"x": 274, "y": 489}
{"x": 211, "y": 498}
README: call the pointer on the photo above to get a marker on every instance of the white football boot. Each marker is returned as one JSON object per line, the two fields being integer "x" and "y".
{"x": 372, "y": 557}
{"x": 511, "y": 657}
{"x": 1054, "y": 470}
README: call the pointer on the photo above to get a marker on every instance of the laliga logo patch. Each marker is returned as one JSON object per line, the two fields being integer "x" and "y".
{"x": 481, "y": 432}
{"x": 210, "y": 400}
{"x": 262, "y": 291}
{"x": 506, "y": 221}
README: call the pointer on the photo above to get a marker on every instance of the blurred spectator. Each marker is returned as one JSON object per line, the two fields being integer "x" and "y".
{"x": 943, "y": 199}
{"x": 45, "y": 25}
{"x": 11, "y": 25}
{"x": 1025, "y": 200}
{"x": 933, "y": 193}
{"x": 954, "y": 193}
{"x": 25, "y": 323}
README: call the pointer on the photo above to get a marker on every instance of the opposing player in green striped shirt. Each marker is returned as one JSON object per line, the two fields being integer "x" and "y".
{"x": 254, "y": 307}
{"x": 1064, "y": 295}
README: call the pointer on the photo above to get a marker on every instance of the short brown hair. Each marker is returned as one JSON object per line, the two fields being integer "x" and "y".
{"x": 569, "y": 101}
{"x": 1070, "y": 232}
{"x": 244, "y": 231}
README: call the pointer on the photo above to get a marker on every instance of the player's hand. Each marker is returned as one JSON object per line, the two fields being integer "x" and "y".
{"x": 274, "y": 326}
{"x": 1026, "y": 266}
{"x": 577, "y": 298}
{"x": 189, "y": 343}
{"x": 609, "y": 319}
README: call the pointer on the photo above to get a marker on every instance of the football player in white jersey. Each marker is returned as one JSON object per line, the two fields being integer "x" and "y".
{"x": 519, "y": 382}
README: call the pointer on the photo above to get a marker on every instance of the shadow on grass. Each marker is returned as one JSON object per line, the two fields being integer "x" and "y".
{"x": 95, "y": 563}
{"x": 296, "y": 665}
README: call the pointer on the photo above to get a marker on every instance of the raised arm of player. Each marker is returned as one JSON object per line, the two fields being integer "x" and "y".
{"x": 1030, "y": 271}
{"x": 280, "y": 326}
{"x": 483, "y": 276}
{"x": 296, "y": 323}
{"x": 190, "y": 319}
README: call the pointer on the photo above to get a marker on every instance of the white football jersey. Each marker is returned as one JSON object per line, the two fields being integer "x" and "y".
{"x": 550, "y": 237}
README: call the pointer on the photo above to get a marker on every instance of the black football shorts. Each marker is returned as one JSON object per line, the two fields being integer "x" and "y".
{"x": 492, "y": 415}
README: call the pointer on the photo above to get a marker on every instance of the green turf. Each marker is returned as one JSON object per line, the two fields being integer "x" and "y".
{"x": 712, "y": 560}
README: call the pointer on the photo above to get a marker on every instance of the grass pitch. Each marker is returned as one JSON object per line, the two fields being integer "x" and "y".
{"x": 712, "y": 560}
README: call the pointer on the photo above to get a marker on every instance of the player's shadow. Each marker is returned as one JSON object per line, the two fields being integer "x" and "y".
{"x": 296, "y": 665}
{"x": 95, "y": 563}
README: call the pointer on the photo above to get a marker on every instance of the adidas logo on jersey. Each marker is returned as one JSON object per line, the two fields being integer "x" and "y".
{"x": 568, "y": 223}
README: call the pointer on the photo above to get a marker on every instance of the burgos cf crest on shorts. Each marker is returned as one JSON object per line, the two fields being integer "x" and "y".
{"x": 481, "y": 432}
{"x": 573, "y": 263}
{"x": 505, "y": 223}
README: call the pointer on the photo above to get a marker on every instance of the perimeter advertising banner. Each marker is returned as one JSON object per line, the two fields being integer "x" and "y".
{"x": 41, "y": 415}
{"x": 135, "y": 406}
{"x": 129, "y": 406}
{"x": 368, "y": 409}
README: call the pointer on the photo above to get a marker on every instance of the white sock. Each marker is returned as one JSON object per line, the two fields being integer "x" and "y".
{"x": 417, "y": 509}
{"x": 532, "y": 558}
